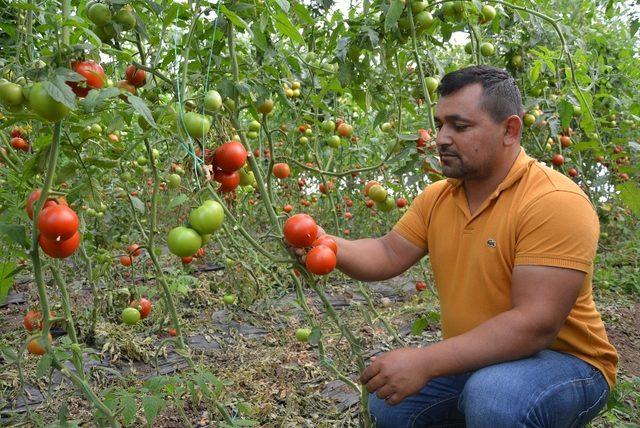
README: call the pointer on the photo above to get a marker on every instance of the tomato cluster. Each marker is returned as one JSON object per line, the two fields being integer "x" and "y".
{"x": 301, "y": 231}
{"x": 187, "y": 242}
{"x": 18, "y": 140}
{"x": 228, "y": 160}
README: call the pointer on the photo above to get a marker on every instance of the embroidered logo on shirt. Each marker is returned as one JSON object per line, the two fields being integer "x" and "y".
{"x": 491, "y": 243}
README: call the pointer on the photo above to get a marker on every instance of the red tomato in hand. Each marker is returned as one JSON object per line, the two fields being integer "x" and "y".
{"x": 135, "y": 76}
{"x": 59, "y": 249}
{"x": 300, "y": 230}
{"x": 230, "y": 156}
{"x": 58, "y": 221}
{"x": 144, "y": 306}
{"x": 93, "y": 74}
{"x": 321, "y": 260}
{"x": 327, "y": 241}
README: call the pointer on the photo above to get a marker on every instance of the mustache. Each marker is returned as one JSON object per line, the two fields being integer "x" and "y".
{"x": 446, "y": 153}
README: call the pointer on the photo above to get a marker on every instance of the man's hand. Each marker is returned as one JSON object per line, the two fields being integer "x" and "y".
{"x": 301, "y": 253}
{"x": 395, "y": 375}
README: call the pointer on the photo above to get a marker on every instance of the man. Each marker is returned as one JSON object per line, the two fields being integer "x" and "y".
{"x": 511, "y": 244}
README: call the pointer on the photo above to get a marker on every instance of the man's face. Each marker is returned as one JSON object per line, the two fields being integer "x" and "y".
{"x": 468, "y": 140}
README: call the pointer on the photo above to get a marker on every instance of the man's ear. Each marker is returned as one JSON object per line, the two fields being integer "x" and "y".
{"x": 513, "y": 130}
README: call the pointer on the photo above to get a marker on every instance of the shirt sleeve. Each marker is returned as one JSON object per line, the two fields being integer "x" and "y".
{"x": 559, "y": 229}
{"x": 413, "y": 224}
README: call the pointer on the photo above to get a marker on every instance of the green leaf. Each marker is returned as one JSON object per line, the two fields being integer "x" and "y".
{"x": 128, "y": 408}
{"x": 245, "y": 423}
{"x": 419, "y": 326}
{"x": 15, "y": 233}
{"x": 284, "y": 26}
{"x": 170, "y": 14}
{"x": 315, "y": 336}
{"x": 565, "y": 109}
{"x": 630, "y": 195}
{"x": 7, "y": 272}
{"x": 393, "y": 14}
{"x": 237, "y": 21}
{"x": 141, "y": 107}
{"x": 9, "y": 29}
{"x": 45, "y": 362}
{"x": 177, "y": 201}
{"x": 101, "y": 162}
{"x": 137, "y": 204}
{"x": 303, "y": 14}
{"x": 152, "y": 405}
{"x": 60, "y": 91}
{"x": 259, "y": 39}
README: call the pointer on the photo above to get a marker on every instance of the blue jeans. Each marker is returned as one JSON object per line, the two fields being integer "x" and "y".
{"x": 548, "y": 389}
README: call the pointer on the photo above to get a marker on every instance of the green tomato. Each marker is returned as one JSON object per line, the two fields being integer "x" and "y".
{"x": 142, "y": 160}
{"x": 96, "y": 129}
{"x": 488, "y": 13}
{"x": 212, "y": 101}
{"x": 387, "y": 205}
{"x": 183, "y": 241}
{"x": 130, "y": 316}
{"x": 229, "y": 262}
{"x": 302, "y": 334}
{"x": 44, "y": 105}
{"x": 517, "y": 61}
{"x": 11, "y": 95}
{"x": 303, "y": 140}
{"x": 432, "y": 84}
{"x": 230, "y": 104}
{"x": 197, "y": 124}
{"x": 173, "y": 181}
{"x": 577, "y": 111}
{"x": 254, "y": 126}
{"x": 423, "y": 20}
{"x": 125, "y": 18}
{"x": 333, "y": 141}
{"x": 487, "y": 49}
{"x": 229, "y": 299}
{"x": 418, "y": 6}
{"x": 252, "y": 135}
{"x": 386, "y": 127}
{"x": 247, "y": 178}
{"x": 328, "y": 126}
{"x": 208, "y": 218}
{"x": 99, "y": 14}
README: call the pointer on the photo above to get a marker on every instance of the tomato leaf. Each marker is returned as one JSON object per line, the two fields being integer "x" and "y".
{"x": 630, "y": 194}
{"x": 137, "y": 204}
{"x": 259, "y": 39}
{"x": 7, "y": 271}
{"x": 45, "y": 363}
{"x": 565, "y": 109}
{"x": 61, "y": 92}
{"x": 303, "y": 14}
{"x": 152, "y": 404}
{"x": 419, "y": 326}
{"x": 393, "y": 14}
{"x": 128, "y": 408}
{"x": 237, "y": 21}
{"x": 178, "y": 200}
{"x": 142, "y": 108}
{"x": 15, "y": 233}
{"x": 284, "y": 26}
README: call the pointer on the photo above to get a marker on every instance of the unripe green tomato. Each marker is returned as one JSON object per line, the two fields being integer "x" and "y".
{"x": 387, "y": 205}
{"x": 130, "y": 316}
{"x": 303, "y": 140}
{"x": 229, "y": 262}
{"x": 296, "y": 93}
{"x": 333, "y": 141}
{"x": 212, "y": 101}
{"x": 230, "y": 104}
{"x": 487, "y": 49}
{"x": 180, "y": 170}
{"x": 302, "y": 334}
{"x": 328, "y": 126}
{"x": 252, "y": 135}
{"x": 155, "y": 154}
{"x": 229, "y": 299}
{"x": 308, "y": 132}
{"x": 96, "y": 128}
{"x": 142, "y": 160}
{"x": 386, "y": 127}
{"x": 173, "y": 181}
{"x": 432, "y": 84}
{"x": 254, "y": 125}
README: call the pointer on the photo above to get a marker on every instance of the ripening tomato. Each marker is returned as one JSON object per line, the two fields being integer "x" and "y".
{"x": 144, "y": 306}
{"x": 135, "y": 76}
{"x": 327, "y": 241}
{"x": 200, "y": 253}
{"x": 230, "y": 156}
{"x": 300, "y": 230}
{"x": 60, "y": 249}
{"x": 401, "y": 202}
{"x": 93, "y": 74}
{"x": 126, "y": 260}
{"x": 33, "y": 320}
{"x": 19, "y": 143}
{"x": 281, "y": 170}
{"x": 58, "y": 221}
{"x": 368, "y": 186}
{"x": 287, "y": 208}
{"x": 34, "y": 347}
{"x": 323, "y": 189}
{"x": 17, "y": 132}
{"x": 321, "y": 260}
{"x": 344, "y": 129}
{"x": 565, "y": 141}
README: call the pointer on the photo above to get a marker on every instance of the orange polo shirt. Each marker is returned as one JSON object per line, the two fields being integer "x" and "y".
{"x": 536, "y": 216}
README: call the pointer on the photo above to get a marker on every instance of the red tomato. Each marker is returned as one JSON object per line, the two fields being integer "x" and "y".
{"x": 135, "y": 76}
{"x": 19, "y": 143}
{"x": 557, "y": 159}
{"x": 144, "y": 306}
{"x": 33, "y": 320}
{"x": 369, "y": 203}
{"x": 565, "y": 141}
{"x": 287, "y": 208}
{"x": 348, "y": 215}
{"x": 421, "y": 285}
{"x": 300, "y": 230}
{"x": 17, "y": 132}
{"x": 172, "y": 332}
{"x": 35, "y": 348}
{"x": 93, "y": 74}
{"x": 228, "y": 180}
{"x": 33, "y": 197}
{"x": 573, "y": 172}
{"x": 401, "y": 202}
{"x": 321, "y": 260}
{"x": 126, "y": 260}
{"x": 281, "y": 170}
{"x": 58, "y": 221}
{"x": 134, "y": 250}
{"x": 346, "y": 232}
{"x": 323, "y": 189}
{"x": 327, "y": 241}
{"x": 423, "y": 138}
{"x": 186, "y": 260}
{"x": 59, "y": 249}
{"x": 230, "y": 156}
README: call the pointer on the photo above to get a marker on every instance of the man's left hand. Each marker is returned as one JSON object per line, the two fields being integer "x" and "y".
{"x": 395, "y": 375}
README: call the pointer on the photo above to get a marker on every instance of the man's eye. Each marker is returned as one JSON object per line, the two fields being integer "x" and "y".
{"x": 461, "y": 127}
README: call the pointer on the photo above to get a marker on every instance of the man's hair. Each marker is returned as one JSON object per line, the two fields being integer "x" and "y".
{"x": 500, "y": 95}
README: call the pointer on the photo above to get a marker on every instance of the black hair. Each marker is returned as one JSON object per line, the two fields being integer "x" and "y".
{"x": 500, "y": 94}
